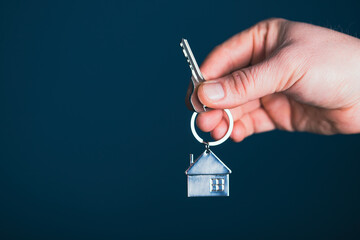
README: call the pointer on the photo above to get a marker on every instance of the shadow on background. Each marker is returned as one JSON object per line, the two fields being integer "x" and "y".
{"x": 95, "y": 137}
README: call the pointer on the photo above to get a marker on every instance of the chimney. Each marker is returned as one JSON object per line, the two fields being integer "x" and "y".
{"x": 191, "y": 159}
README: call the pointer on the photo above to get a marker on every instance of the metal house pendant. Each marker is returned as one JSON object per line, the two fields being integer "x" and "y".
{"x": 208, "y": 176}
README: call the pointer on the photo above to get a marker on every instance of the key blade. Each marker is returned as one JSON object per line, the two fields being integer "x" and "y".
{"x": 192, "y": 101}
{"x": 192, "y": 61}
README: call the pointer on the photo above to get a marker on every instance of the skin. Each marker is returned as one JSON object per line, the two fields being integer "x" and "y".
{"x": 283, "y": 75}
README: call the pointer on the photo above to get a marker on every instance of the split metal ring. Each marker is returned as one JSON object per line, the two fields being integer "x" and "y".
{"x": 218, "y": 142}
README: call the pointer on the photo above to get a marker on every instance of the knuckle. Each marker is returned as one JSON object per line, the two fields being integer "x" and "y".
{"x": 296, "y": 64}
{"x": 237, "y": 139}
{"x": 271, "y": 22}
{"x": 275, "y": 20}
{"x": 237, "y": 80}
{"x": 238, "y": 133}
{"x": 242, "y": 81}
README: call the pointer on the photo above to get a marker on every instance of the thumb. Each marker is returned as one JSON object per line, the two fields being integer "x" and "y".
{"x": 275, "y": 74}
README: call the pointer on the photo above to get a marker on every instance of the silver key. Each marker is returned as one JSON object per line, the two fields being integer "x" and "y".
{"x": 192, "y": 101}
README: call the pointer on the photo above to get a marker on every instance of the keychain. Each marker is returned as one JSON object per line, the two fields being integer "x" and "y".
{"x": 207, "y": 176}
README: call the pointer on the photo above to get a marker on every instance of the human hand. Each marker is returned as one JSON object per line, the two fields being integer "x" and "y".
{"x": 286, "y": 75}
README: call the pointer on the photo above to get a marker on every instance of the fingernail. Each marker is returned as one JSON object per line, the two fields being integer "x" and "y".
{"x": 213, "y": 91}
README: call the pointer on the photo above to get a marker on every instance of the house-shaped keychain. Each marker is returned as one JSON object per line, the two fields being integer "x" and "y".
{"x": 208, "y": 176}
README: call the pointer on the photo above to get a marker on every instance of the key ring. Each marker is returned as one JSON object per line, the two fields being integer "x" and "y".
{"x": 218, "y": 142}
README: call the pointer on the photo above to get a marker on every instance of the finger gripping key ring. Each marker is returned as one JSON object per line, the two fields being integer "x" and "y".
{"x": 218, "y": 142}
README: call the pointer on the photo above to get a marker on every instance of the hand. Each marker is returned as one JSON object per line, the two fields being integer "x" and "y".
{"x": 286, "y": 75}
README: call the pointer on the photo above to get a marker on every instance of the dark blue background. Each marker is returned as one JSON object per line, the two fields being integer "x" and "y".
{"x": 95, "y": 137}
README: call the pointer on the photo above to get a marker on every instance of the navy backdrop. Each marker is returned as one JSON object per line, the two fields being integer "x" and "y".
{"x": 95, "y": 137}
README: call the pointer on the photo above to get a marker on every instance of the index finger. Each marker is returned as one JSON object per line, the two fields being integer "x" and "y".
{"x": 243, "y": 49}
